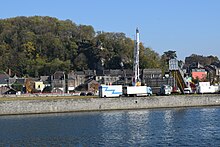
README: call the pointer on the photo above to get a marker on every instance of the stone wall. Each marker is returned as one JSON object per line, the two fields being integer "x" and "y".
{"x": 97, "y": 104}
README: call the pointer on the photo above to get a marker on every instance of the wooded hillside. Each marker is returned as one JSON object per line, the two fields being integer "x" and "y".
{"x": 38, "y": 45}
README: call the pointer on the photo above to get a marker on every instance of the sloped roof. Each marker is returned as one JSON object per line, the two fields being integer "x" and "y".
{"x": 152, "y": 71}
{"x": 79, "y": 73}
{"x": 128, "y": 72}
{"x": 58, "y": 75}
{"x": 10, "y": 91}
{"x": 89, "y": 72}
{"x": 217, "y": 64}
{"x": 90, "y": 81}
{"x": 198, "y": 70}
{"x": 3, "y": 89}
{"x": 20, "y": 81}
{"x": 113, "y": 72}
{"x": 45, "y": 78}
{"x": 4, "y": 78}
{"x": 210, "y": 68}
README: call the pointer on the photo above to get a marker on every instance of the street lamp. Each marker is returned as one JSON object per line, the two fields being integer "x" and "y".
{"x": 122, "y": 66}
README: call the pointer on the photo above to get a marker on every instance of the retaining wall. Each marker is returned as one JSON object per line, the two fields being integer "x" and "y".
{"x": 97, "y": 104}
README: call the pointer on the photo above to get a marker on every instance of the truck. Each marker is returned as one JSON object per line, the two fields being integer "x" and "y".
{"x": 137, "y": 91}
{"x": 165, "y": 90}
{"x": 110, "y": 91}
{"x": 205, "y": 87}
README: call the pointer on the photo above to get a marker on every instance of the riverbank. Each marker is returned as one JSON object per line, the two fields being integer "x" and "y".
{"x": 60, "y": 105}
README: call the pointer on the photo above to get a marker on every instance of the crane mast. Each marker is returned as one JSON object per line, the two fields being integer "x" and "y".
{"x": 136, "y": 78}
{"x": 136, "y": 89}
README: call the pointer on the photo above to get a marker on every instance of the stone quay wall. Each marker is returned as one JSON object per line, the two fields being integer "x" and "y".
{"x": 100, "y": 104}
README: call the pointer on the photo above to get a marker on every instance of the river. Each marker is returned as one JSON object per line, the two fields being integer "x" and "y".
{"x": 153, "y": 127}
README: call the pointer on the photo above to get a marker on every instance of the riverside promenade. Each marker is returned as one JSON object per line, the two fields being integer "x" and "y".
{"x": 62, "y": 105}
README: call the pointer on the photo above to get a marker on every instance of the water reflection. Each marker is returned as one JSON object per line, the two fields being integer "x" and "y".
{"x": 124, "y": 126}
{"x": 138, "y": 126}
{"x": 168, "y": 130}
{"x": 210, "y": 124}
{"x": 111, "y": 125}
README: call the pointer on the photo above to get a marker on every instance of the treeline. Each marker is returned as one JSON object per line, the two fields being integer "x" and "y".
{"x": 203, "y": 60}
{"x": 35, "y": 46}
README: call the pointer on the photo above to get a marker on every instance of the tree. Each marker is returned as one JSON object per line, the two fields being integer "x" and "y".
{"x": 170, "y": 54}
{"x": 17, "y": 86}
{"x": 47, "y": 89}
{"x": 81, "y": 62}
{"x": 165, "y": 59}
{"x": 203, "y": 60}
{"x": 149, "y": 58}
{"x": 34, "y": 46}
{"x": 29, "y": 84}
{"x": 86, "y": 32}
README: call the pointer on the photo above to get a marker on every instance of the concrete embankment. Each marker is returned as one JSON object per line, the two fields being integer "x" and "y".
{"x": 99, "y": 104}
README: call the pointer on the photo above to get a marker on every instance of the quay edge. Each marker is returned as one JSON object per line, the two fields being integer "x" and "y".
{"x": 101, "y": 104}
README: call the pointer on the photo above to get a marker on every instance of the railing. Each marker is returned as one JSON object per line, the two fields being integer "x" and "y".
{"x": 178, "y": 74}
{"x": 182, "y": 75}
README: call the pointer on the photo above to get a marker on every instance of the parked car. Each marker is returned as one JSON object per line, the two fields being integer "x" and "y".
{"x": 187, "y": 90}
{"x": 90, "y": 94}
{"x": 83, "y": 94}
{"x": 165, "y": 90}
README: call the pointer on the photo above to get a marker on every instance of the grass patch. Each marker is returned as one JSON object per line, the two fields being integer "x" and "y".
{"x": 20, "y": 98}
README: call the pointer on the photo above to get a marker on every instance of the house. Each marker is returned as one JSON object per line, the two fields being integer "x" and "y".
{"x": 46, "y": 80}
{"x": 151, "y": 73}
{"x": 108, "y": 77}
{"x": 92, "y": 85}
{"x": 155, "y": 79}
{"x": 10, "y": 91}
{"x": 200, "y": 74}
{"x": 89, "y": 74}
{"x": 58, "y": 82}
{"x": 18, "y": 83}
{"x": 39, "y": 86}
{"x": 30, "y": 85}
{"x": 89, "y": 85}
{"x": 75, "y": 79}
{"x": 213, "y": 72}
{"x": 4, "y": 82}
{"x": 194, "y": 65}
{"x": 128, "y": 75}
{"x": 4, "y": 79}
{"x": 4, "y": 89}
{"x": 78, "y": 78}
{"x": 71, "y": 82}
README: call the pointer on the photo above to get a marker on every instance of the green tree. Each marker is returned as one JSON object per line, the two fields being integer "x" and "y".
{"x": 17, "y": 86}
{"x": 34, "y": 46}
{"x": 86, "y": 32}
{"x": 149, "y": 58}
{"x": 80, "y": 62}
{"x": 165, "y": 59}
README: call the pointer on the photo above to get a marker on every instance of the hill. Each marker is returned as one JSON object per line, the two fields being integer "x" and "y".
{"x": 37, "y": 45}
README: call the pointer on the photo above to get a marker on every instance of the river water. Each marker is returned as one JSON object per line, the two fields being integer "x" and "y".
{"x": 133, "y": 128}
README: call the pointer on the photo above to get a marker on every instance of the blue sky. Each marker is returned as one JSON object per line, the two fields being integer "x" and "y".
{"x": 186, "y": 26}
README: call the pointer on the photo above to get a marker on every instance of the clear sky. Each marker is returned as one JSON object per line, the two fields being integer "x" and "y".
{"x": 186, "y": 26}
